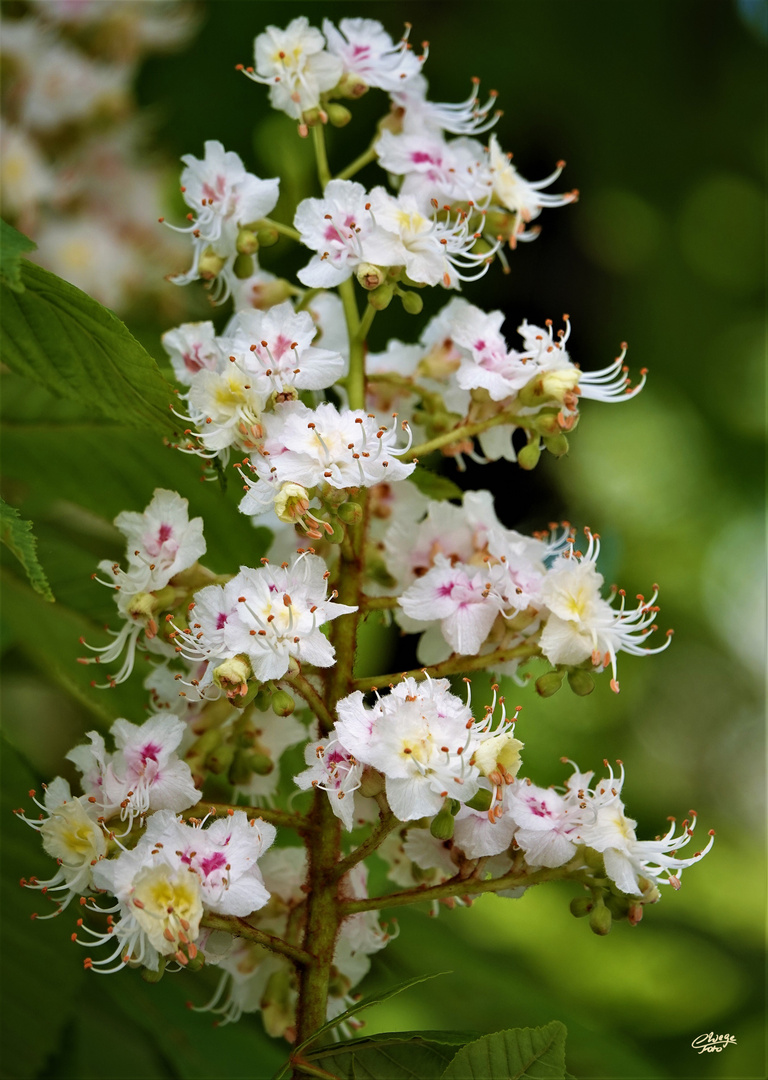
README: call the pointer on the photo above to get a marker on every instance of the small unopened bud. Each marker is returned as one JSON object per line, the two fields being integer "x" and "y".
{"x": 221, "y": 759}
{"x": 528, "y": 456}
{"x": 233, "y": 675}
{"x": 350, "y": 86}
{"x": 261, "y": 764}
{"x": 549, "y": 683}
{"x": 282, "y": 703}
{"x": 243, "y": 267}
{"x": 581, "y": 906}
{"x": 247, "y": 242}
{"x": 600, "y": 919}
{"x": 350, "y": 513}
{"x": 442, "y": 824}
{"x": 557, "y": 444}
{"x": 412, "y": 302}
{"x": 370, "y": 276}
{"x": 381, "y": 297}
{"x": 547, "y": 423}
{"x": 262, "y": 699}
{"x": 581, "y": 682}
{"x": 313, "y": 117}
{"x": 267, "y": 236}
{"x": 480, "y": 801}
{"x": 196, "y": 962}
{"x": 338, "y": 115}
{"x": 336, "y": 535}
{"x": 154, "y": 976}
{"x": 210, "y": 265}
{"x": 371, "y": 783}
{"x": 291, "y": 502}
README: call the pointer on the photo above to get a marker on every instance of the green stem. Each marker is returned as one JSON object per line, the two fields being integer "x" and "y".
{"x": 359, "y": 163}
{"x": 286, "y": 230}
{"x": 387, "y": 823}
{"x": 356, "y": 377}
{"x": 454, "y": 665}
{"x": 365, "y": 323}
{"x": 304, "y": 687}
{"x": 467, "y": 431}
{"x": 240, "y": 928}
{"x": 306, "y": 299}
{"x": 318, "y": 141}
{"x": 377, "y": 603}
{"x": 457, "y": 886}
{"x": 283, "y": 818}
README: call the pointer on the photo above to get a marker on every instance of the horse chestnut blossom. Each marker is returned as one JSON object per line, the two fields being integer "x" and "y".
{"x": 254, "y": 666}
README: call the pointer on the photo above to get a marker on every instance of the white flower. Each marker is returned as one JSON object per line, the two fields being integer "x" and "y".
{"x": 519, "y": 196}
{"x": 582, "y": 625}
{"x": 420, "y": 116}
{"x": 25, "y": 177}
{"x": 369, "y": 56}
{"x": 420, "y": 736}
{"x": 295, "y": 66}
{"x": 343, "y": 232}
{"x": 449, "y": 172}
{"x": 225, "y": 409}
{"x": 192, "y": 347}
{"x": 72, "y": 836}
{"x": 274, "y": 349}
{"x": 223, "y": 198}
{"x": 312, "y": 447}
{"x": 333, "y": 769}
{"x": 546, "y": 822}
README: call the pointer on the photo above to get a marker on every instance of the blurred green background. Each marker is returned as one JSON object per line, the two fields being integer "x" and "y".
{"x": 659, "y": 110}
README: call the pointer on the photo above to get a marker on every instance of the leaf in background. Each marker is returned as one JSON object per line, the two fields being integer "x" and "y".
{"x": 59, "y": 336}
{"x": 433, "y": 485}
{"x": 509, "y": 1055}
{"x": 358, "y": 1007}
{"x": 400, "y": 1055}
{"x": 42, "y": 970}
{"x": 18, "y": 537}
{"x": 13, "y": 245}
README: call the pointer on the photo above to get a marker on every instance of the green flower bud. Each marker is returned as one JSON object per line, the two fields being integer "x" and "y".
{"x": 549, "y": 683}
{"x": 261, "y": 764}
{"x": 381, "y": 297}
{"x": 154, "y": 976}
{"x": 267, "y": 236}
{"x": 557, "y": 444}
{"x": 338, "y": 115}
{"x": 247, "y": 242}
{"x": 282, "y": 703}
{"x": 196, "y": 962}
{"x": 481, "y": 801}
{"x": 581, "y": 682}
{"x": 412, "y": 302}
{"x": 350, "y": 513}
{"x": 581, "y": 906}
{"x": 221, "y": 758}
{"x": 528, "y": 457}
{"x": 442, "y": 824}
{"x": 277, "y": 1012}
{"x": 547, "y": 423}
{"x": 243, "y": 267}
{"x": 350, "y": 86}
{"x": 600, "y": 919}
{"x": 371, "y": 783}
{"x": 337, "y": 535}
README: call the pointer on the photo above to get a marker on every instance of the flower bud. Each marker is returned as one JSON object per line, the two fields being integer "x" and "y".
{"x": 277, "y": 1012}
{"x": 381, "y": 297}
{"x": 550, "y": 682}
{"x": 291, "y": 502}
{"x": 546, "y": 422}
{"x": 350, "y": 513}
{"x": 480, "y": 801}
{"x": 600, "y": 919}
{"x": 282, "y": 703}
{"x": 232, "y": 676}
{"x": 412, "y": 302}
{"x": 371, "y": 783}
{"x": 338, "y": 115}
{"x": 556, "y": 444}
{"x": 243, "y": 267}
{"x": 196, "y": 962}
{"x": 220, "y": 760}
{"x": 370, "y": 276}
{"x": 350, "y": 86}
{"x": 528, "y": 457}
{"x": 581, "y": 906}
{"x": 210, "y": 265}
{"x": 336, "y": 535}
{"x": 267, "y": 236}
{"x": 154, "y": 976}
{"x": 580, "y": 681}
{"x": 442, "y": 824}
{"x": 247, "y": 242}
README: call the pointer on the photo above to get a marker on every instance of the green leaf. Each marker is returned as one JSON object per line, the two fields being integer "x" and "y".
{"x": 403, "y": 1055}
{"x": 538, "y": 1053}
{"x": 358, "y": 1007}
{"x": 61, "y": 338}
{"x": 13, "y": 245}
{"x": 433, "y": 485}
{"x": 18, "y": 537}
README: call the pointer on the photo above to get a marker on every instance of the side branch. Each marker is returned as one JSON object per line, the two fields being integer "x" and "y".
{"x": 454, "y": 665}
{"x": 458, "y": 886}
{"x": 231, "y": 924}
{"x": 304, "y": 687}
{"x": 387, "y": 823}
{"x": 284, "y": 818}
{"x": 467, "y": 431}
{"x": 286, "y": 230}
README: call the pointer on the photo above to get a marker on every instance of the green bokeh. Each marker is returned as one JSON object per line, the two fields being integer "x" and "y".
{"x": 659, "y": 110}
